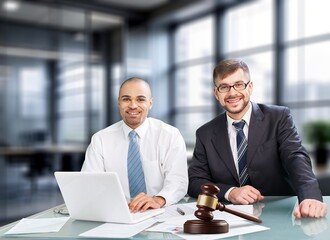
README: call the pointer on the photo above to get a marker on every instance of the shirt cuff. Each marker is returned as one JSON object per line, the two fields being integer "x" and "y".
{"x": 227, "y": 193}
{"x": 161, "y": 202}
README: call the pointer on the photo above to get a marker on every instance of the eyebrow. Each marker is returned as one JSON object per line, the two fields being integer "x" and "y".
{"x": 140, "y": 96}
{"x": 233, "y": 83}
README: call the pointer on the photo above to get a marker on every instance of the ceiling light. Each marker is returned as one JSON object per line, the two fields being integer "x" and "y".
{"x": 11, "y": 5}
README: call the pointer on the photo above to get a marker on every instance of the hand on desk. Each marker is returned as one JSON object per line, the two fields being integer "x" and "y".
{"x": 245, "y": 195}
{"x": 310, "y": 208}
{"x": 143, "y": 201}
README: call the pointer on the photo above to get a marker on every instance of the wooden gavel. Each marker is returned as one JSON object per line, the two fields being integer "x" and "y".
{"x": 207, "y": 202}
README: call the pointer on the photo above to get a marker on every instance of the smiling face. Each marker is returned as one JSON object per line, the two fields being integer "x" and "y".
{"x": 134, "y": 102}
{"x": 236, "y": 103}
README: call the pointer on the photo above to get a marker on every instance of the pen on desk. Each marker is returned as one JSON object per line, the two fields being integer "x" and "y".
{"x": 179, "y": 210}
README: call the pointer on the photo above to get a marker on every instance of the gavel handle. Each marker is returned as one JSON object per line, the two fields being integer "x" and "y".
{"x": 252, "y": 218}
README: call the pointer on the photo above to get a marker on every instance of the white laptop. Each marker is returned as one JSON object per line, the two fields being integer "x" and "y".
{"x": 98, "y": 197}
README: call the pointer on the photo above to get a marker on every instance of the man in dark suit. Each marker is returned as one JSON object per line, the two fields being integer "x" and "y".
{"x": 252, "y": 149}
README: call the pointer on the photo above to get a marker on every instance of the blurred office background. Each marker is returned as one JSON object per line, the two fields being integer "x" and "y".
{"x": 62, "y": 62}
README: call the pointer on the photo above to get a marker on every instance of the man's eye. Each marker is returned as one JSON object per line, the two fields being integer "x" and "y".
{"x": 141, "y": 100}
{"x": 224, "y": 87}
{"x": 239, "y": 85}
{"x": 125, "y": 99}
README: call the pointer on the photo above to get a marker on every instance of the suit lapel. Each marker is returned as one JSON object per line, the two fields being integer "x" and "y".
{"x": 256, "y": 130}
{"x": 220, "y": 141}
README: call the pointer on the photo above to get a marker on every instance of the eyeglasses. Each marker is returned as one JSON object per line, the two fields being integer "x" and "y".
{"x": 239, "y": 86}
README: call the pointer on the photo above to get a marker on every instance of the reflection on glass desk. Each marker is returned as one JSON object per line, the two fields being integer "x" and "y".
{"x": 275, "y": 212}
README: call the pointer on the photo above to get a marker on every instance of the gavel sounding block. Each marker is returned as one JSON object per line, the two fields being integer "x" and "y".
{"x": 205, "y": 227}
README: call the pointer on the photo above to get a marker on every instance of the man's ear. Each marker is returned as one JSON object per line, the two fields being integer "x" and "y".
{"x": 150, "y": 105}
{"x": 250, "y": 87}
{"x": 215, "y": 91}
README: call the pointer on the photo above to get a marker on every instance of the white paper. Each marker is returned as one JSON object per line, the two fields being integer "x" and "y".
{"x": 235, "y": 228}
{"x": 40, "y": 225}
{"x": 171, "y": 211}
{"x": 237, "y": 225}
{"x": 118, "y": 230}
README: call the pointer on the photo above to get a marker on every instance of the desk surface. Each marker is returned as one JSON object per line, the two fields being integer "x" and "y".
{"x": 276, "y": 213}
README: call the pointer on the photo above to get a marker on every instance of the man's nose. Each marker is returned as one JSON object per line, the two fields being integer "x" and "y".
{"x": 133, "y": 104}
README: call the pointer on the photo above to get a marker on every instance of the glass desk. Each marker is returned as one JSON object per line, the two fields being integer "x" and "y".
{"x": 275, "y": 212}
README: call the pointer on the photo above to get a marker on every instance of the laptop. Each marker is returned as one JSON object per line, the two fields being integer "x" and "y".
{"x": 98, "y": 196}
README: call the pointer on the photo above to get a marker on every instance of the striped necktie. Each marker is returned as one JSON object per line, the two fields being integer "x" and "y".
{"x": 241, "y": 152}
{"x": 134, "y": 167}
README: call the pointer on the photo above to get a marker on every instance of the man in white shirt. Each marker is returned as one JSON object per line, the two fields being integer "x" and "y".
{"x": 162, "y": 150}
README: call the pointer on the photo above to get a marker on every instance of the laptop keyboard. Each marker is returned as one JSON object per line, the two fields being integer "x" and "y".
{"x": 150, "y": 212}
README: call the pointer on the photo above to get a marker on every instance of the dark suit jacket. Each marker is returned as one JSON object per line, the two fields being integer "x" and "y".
{"x": 278, "y": 164}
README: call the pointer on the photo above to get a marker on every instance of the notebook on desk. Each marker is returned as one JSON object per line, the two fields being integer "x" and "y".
{"x": 98, "y": 197}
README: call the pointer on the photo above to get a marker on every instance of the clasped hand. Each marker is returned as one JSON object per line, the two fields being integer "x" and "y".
{"x": 308, "y": 208}
{"x": 245, "y": 195}
{"x": 142, "y": 202}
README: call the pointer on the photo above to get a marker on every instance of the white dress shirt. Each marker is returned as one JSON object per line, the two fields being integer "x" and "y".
{"x": 232, "y": 133}
{"x": 163, "y": 156}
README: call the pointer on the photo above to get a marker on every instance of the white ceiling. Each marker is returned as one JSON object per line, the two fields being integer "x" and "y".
{"x": 135, "y": 4}
{"x": 34, "y": 13}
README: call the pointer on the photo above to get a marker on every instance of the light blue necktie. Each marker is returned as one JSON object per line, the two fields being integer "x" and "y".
{"x": 241, "y": 152}
{"x": 134, "y": 167}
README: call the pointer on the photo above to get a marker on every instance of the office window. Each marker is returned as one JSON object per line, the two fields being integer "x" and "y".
{"x": 193, "y": 85}
{"x": 71, "y": 80}
{"x": 249, "y": 36}
{"x": 71, "y": 88}
{"x": 80, "y": 84}
{"x": 189, "y": 122}
{"x": 249, "y": 26}
{"x": 302, "y": 116}
{"x": 306, "y": 18}
{"x": 33, "y": 88}
{"x": 306, "y": 78}
{"x": 72, "y": 102}
{"x": 194, "y": 40}
{"x": 79, "y": 100}
{"x": 72, "y": 128}
{"x": 262, "y": 76}
{"x": 97, "y": 98}
{"x": 306, "y": 53}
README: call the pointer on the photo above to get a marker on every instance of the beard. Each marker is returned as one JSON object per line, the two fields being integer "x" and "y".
{"x": 239, "y": 108}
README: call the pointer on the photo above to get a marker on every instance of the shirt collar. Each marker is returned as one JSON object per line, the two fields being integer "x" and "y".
{"x": 141, "y": 130}
{"x": 246, "y": 117}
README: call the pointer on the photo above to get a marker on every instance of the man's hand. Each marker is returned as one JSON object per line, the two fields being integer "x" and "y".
{"x": 310, "y": 208}
{"x": 245, "y": 195}
{"x": 143, "y": 201}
